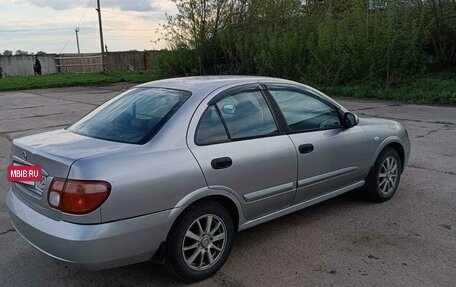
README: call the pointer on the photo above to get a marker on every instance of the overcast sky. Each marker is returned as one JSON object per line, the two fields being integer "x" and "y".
{"x": 48, "y": 25}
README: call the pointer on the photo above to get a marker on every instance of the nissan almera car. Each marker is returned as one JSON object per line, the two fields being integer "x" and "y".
{"x": 171, "y": 169}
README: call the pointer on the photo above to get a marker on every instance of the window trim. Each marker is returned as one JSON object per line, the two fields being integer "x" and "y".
{"x": 269, "y": 86}
{"x": 233, "y": 91}
{"x": 219, "y": 113}
{"x": 199, "y": 123}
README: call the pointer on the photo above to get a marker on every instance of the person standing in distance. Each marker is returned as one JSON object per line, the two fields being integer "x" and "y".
{"x": 37, "y": 66}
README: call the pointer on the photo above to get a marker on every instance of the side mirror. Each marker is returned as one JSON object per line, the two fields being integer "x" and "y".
{"x": 229, "y": 109}
{"x": 350, "y": 120}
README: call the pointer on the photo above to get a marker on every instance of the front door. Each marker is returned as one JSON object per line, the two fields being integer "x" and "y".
{"x": 330, "y": 156}
{"x": 240, "y": 149}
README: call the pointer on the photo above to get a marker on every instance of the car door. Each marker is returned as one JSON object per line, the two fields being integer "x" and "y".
{"x": 330, "y": 157}
{"x": 236, "y": 141}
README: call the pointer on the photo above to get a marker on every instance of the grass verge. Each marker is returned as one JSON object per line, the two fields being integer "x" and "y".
{"x": 437, "y": 88}
{"x": 69, "y": 80}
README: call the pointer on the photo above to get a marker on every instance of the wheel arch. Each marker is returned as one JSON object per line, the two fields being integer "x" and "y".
{"x": 394, "y": 143}
{"x": 400, "y": 150}
{"x": 224, "y": 197}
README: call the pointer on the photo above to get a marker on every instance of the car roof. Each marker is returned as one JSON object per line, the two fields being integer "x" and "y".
{"x": 203, "y": 85}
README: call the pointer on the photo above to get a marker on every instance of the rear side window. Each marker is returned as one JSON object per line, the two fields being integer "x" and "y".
{"x": 133, "y": 117}
{"x": 210, "y": 128}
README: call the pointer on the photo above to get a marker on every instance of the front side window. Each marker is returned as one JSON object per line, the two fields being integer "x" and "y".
{"x": 133, "y": 117}
{"x": 304, "y": 111}
{"x": 247, "y": 115}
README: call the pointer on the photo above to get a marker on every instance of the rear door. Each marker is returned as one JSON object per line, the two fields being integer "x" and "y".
{"x": 330, "y": 156}
{"x": 237, "y": 143}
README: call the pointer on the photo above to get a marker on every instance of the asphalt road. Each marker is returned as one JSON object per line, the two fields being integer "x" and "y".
{"x": 346, "y": 241}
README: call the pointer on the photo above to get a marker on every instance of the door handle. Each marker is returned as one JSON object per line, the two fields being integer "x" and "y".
{"x": 221, "y": 162}
{"x": 306, "y": 148}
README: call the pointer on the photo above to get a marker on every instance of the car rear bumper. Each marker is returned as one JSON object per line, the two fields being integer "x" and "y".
{"x": 95, "y": 246}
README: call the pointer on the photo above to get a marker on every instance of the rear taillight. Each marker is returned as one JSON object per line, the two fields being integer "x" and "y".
{"x": 77, "y": 196}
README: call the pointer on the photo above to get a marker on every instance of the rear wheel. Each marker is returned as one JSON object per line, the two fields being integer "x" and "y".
{"x": 200, "y": 241}
{"x": 383, "y": 180}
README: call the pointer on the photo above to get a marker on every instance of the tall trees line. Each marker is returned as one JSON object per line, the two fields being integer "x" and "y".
{"x": 324, "y": 41}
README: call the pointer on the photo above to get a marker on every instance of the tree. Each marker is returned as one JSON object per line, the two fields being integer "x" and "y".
{"x": 7, "y": 53}
{"x": 197, "y": 26}
{"x": 40, "y": 53}
{"x": 20, "y": 53}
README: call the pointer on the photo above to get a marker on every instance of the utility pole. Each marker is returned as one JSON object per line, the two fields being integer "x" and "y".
{"x": 77, "y": 39}
{"x": 101, "y": 36}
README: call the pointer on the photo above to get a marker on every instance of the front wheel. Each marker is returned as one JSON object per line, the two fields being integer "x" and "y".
{"x": 383, "y": 180}
{"x": 200, "y": 241}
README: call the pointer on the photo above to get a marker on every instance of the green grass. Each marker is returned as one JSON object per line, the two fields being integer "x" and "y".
{"x": 437, "y": 88}
{"x": 68, "y": 80}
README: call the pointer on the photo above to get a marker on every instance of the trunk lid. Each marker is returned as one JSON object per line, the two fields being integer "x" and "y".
{"x": 55, "y": 152}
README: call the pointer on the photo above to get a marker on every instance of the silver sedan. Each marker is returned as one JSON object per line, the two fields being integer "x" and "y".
{"x": 171, "y": 169}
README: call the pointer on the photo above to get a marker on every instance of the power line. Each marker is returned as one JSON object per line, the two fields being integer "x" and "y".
{"x": 129, "y": 14}
{"x": 114, "y": 37}
{"x": 72, "y": 28}
{"x": 129, "y": 29}
{"x": 77, "y": 29}
{"x": 85, "y": 12}
{"x": 60, "y": 30}
{"x": 53, "y": 28}
{"x": 40, "y": 30}
{"x": 64, "y": 46}
{"x": 79, "y": 23}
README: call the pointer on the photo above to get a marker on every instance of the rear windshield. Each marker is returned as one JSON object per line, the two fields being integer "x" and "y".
{"x": 133, "y": 117}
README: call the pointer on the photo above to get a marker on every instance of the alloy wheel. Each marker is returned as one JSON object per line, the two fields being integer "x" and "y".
{"x": 204, "y": 242}
{"x": 387, "y": 176}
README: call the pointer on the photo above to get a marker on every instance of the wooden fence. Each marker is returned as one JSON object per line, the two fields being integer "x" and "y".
{"x": 79, "y": 63}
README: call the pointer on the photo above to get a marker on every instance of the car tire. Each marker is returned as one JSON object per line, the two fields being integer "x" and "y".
{"x": 384, "y": 177}
{"x": 194, "y": 251}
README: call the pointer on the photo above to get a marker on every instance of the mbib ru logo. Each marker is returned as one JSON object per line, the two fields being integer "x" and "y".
{"x": 24, "y": 173}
